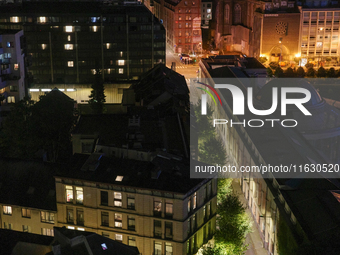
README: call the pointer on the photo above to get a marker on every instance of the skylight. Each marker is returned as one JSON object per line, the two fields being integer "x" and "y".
{"x": 119, "y": 178}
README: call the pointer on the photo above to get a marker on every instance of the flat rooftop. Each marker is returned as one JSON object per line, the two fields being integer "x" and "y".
{"x": 162, "y": 174}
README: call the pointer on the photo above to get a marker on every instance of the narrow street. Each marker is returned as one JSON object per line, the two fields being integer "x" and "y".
{"x": 188, "y": 71}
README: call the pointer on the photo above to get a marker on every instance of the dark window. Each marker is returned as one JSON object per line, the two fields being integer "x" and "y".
{"x": 168, "y": 230}
{"x": 131, "y": 203}
{"x": 131, "y": 224}
{"x": 105, "y": 219}
{"x": 70, "y": 215}
{"x": 80, "y": 217}
{"x": 157, "y": 228}
{"x": 104, "y": 198}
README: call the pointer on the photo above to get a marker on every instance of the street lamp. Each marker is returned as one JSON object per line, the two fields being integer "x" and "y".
{"x": 201, "y": 48}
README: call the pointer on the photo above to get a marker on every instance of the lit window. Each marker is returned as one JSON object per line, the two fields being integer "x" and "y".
{"x": 81, "y": 229}
{"x": 70, "y": 63}
{"x": 194, "y": 202}
{"x": 119, "y": 238}
{"x": 168, "y": 248}
{"x": 68, "y": 46}
{"x": 108, "y": 45}
{"x": 8, "y": 210}
{"x": 189, "y": 204}
{"x": 132, "y": 241}
{"x": 26, "y": 213}
{"x": 117, "y": 199}
{"x": 93, "y": 71}
{"x": 47, "y": 217}
{"x": 158, "y": 248}
{"x": 121, "y": 62}
{"x": 118, "y": 220}
{"x": 157, "y": 208}
{"x": 11, "y": 99}
{"x": 319, "y": 44}
{"x": 69, "y": 194}
{"x": 68, "y": 38}
{"x": 69, "y": 29}
{"x": 47, "y": 232}
{"x": 70, "y": 227}
{"x": 79, "y": 195}
{"x": 94, "y": 28}
{"x": 121, "y": 54}
{"x": 42, "y": 19}
{"x": 208, "y": 10}
{"x": 14, "y": 19}
{"x": 119, "y": 178}
{"x": 26, "y": 228}
{"x": 168, "y": 209}
{"x": 16, "y": 67}
{"x": 120, "y": 70}
{"x": 43, "y": 46}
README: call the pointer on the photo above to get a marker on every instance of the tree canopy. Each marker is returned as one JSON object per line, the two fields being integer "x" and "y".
{"x": 97, "y": 97}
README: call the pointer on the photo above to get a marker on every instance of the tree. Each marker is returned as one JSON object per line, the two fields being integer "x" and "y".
{"x": 279, "y": 72}
{"x": 97, "y": 97}
{"x": 212, "y": 152}
{"x": 310, "y": 72}
{"x": 308, "y": 65}
{"x": 205, "y": 129}
{"x": 273, "y": 65}
{"x": 331, "y": 73}
{"x": 269, "y": 72}
{"x": 321, "y": 72}
{"x": 289, "y": 72}
{"x": 233, "y": 225}
{"x": 300, "y": 72}
{"x": 211, "y": 249}
{"x": 263, "y": 59}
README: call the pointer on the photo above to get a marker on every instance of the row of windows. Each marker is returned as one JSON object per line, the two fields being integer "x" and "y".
{"x": 47, "y": 217}
{"x": 119, "y": 238}
{"x": 44, "y": 19}
{"x": 118, "y": 218}
{"x": 28, "y": 229}
{"x": 117, "y": 199}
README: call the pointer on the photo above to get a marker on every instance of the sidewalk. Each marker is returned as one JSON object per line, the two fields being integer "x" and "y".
{"x": 253, "y": 239}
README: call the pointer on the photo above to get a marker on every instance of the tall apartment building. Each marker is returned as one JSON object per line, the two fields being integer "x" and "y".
{"x": 12, "y": 80}
{"x": 154, "y": 206}
{"x": 182, "y": 22}
{"x": 319, "y": 34}
{"x": 68, "y": 41}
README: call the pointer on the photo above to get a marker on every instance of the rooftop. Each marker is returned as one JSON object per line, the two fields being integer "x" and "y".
{"x": 162, "y": 174}
{"x": 113, "y": 130}
{"x": 81, "y": 242}
{"x": 28, "y": 184}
